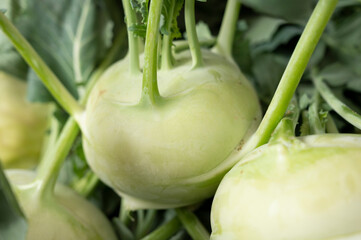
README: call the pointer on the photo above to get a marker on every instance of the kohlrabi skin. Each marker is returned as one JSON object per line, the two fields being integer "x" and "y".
{"x": 58, "y": 216}
{"x": 22, "y": 124}
{"x": 148, "y": 152}
{"x": 305, "y": 188}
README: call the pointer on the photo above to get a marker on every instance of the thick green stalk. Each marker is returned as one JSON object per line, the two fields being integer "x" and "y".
{"x": 131, "y": 20}
{"x": 342, "y": 109}
{"x": 293, "y": 72}
{"x": 53, "y": 84}
{"x": 192, "y": 34}
{"x": 193, "y": 226}
{"x": 225, "y": 37}
{"x": 166, "y": 231}
{"x": 150, "y": 92}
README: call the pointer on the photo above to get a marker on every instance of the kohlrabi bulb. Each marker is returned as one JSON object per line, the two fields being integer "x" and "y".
{"x": 59, "y": 216}
{"x": 305, "y": 188}
{"x": 22, "y": 124}
{"x": 148, "y": 153}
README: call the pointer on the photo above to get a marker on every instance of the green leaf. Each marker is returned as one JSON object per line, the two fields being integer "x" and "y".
{"x": 139, "y": 30}
{"x": 267, "y": 70}
{"x": 337, "y": 74}
{"x": 170, "y": 13}
{"x": 343, "y": 36}
{"x": 262, "y": 29}
{"x": 295, "y": 11}
{"x": 283, "y": 36}
{"x": 141, "y": 6}
{"x": 348, "y": 3}
{"x": 13, "y": 224}
{"x": 204, "y": 33}
{"x": 71, "y": 36}
{"x": 10, "y": 60}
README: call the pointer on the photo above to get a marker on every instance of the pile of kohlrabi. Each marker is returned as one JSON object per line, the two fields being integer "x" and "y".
{"x": 133, "y": 119}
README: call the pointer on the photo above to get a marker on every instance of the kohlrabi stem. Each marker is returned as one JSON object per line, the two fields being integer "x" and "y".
{"x": 86, "y": 184}
{"x": 53, "y": 84}
{"x": 167, "y": 57}
{"x": 192, "y": 34}
{"x": 305, "y": 127}
{"x": 192, "y": 224}
{"x": 225, "y": 37}
{"x": 49, "y": 169}
{"x": 166, "y": 231}
{"x": 150, "y": 92}
{"x": 131, "y": 20}
{"x": 316, "y": 124}
{"x": 286, "y": 127}
{"x": 124, "y": 213}
{"x": 181, "y": 45}
{"x": 293, "y": 72}
{"x": 145, "y": 222}
{"x": 342, "y": 109}
{"x": 331, "y": 125}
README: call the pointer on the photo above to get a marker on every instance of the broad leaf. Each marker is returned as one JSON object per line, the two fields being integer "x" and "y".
{"x": 10, "y": 60}
{"x": 170, "y": 13}
{"x": 70, "y": 35}
{"x": 296, "y": 11}
{"x": 141, "y": 7}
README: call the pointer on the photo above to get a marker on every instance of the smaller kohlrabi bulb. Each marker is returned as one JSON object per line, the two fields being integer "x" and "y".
{"x": 22, "y": 124}
{"x": 300, "y": 189}
{"x": 59, "y": 216}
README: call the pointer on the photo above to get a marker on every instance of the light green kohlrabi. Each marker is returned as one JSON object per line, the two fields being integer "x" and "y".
{"x": 305, "y": 188}
{"x": 148, "y": 152}
{"x": 59, "y": 215}
{"x": 22, "y": 124}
